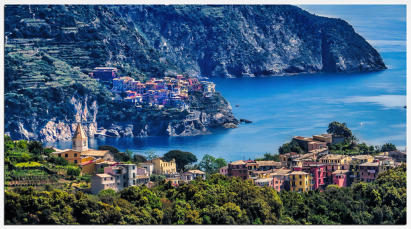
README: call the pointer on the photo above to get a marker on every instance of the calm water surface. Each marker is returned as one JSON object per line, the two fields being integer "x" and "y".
{"x": 371, "y": 104}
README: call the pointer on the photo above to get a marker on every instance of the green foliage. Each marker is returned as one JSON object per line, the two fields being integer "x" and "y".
{"x": 151, "y": 155}
{"x": 137, "y": 158}
{"x": 340, "y": 130}
{"x": 269, "y": 157}
{"x": 216, "y": 200}
{"x": 157, "y": 178}
{"x": 28, "y": 164}
{"x": 292, "y": 146}
{"x": 73, "y": 171}
{"x": 388, "y": 147}
{"x": 182, "y": 158}
{"x": 118, "y": 156}
{"x": 211, "y": 165}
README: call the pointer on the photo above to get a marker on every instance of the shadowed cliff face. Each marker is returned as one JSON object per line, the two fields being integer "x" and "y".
{"x": 248, "y": 41}
{"x": 50, "y": 50}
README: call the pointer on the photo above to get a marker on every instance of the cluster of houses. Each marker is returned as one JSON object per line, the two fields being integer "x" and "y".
{"x": 315, "y": 169}
{"x": 167, "y": 91}
{"x": 107, "y": 173}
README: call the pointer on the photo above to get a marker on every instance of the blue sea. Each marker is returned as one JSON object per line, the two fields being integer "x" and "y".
{"x": 371, "y": 104}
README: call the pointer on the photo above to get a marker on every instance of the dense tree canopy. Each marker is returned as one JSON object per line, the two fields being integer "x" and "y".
{"x": 292, "y": 146}
{"x": 339, "y": 129}
{"x": 217, "y": 200}
{"x": 388, "y": 147}
{"x": 210, "y": 164}
{"x": 182, "y": 158}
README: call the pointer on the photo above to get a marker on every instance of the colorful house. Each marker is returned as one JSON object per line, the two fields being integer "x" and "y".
{"x": 164, "y": 167}
{"x": 102, "y": 182}
{"x": 340, "y": 178}
{"x": 300, "y": 181}
{"x": 318, "y": 174}
{"x": 264, "y": 182}
{"x": 238, "y": 169}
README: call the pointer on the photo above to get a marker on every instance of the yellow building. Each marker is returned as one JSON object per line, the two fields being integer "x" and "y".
{"x": 335, "y": 159}
{"x": 362, "y": 159}
{"x": 300, "y": 181}
{"x": 80, "y": 152}
{"x": 164, "y": 167}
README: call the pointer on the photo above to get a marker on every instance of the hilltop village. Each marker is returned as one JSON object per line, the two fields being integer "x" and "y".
{"x": 165, "y": 92}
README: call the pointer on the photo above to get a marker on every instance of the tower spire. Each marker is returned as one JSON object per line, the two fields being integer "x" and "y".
{"x": 80, "y": 141}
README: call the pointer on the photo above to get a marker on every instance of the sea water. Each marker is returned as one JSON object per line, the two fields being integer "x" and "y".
{"x": 280, "y": 107}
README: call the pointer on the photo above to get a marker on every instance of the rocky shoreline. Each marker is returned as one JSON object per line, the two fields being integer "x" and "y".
{"x": 198, "y": 121}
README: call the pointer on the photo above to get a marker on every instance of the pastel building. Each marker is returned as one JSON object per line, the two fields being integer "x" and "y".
{"x": 300, "y": 181}
{"x": 318, "y": 174}
{"x": 340, "y": 178}
{"x": 102, "y": 182}
{"x": 164, "y": 167}
{"x": 264, "y": 182}
{"x": 368, "y": 171}
{"x": 224, "y": 170}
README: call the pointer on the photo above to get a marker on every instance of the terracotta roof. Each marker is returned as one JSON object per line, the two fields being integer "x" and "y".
{"x": 239, "y": 162}
{"x": 196, "y": 171}
{"x": 298, "y": 173}
{"x": 93, "y": 153}
{"x": 268, "y": 163}
{"x": 339, "y": 171}
{"x": 333, "y": 157}
{"x": 79, "y": 133}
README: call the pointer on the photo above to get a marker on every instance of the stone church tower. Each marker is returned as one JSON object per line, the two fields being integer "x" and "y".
{"x": 80, "y": 141}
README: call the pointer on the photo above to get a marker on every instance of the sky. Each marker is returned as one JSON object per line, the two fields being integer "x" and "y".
{"x": 383, "y": 26}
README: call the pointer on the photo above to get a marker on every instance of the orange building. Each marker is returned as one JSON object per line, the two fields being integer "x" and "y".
{"x": 70, "y": 155}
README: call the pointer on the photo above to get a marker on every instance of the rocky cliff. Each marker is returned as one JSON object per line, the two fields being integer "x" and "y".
{"x": 49, "y": 50}
{"x": 251, "y": 40}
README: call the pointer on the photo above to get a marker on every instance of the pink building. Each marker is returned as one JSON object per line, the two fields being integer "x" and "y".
{"x": 224, "y": 170}
{"x": 318, "y": 174}
{"x": 340, "y": 178}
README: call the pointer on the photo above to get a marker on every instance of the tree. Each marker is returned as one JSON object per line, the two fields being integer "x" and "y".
{"x": 35, "y": 147}
{"x": 118, "y": 156}
{"x": 292, "y": 146}
{"x": 73, "y": 171}
{"x": 210, "y": 164}
{"x": 137, "y": 158}
{"x": 388, "y": 147}
{"x": 339, "y": 129}
{"x": 182, "y": 158}
{"x": 151, "y": 155}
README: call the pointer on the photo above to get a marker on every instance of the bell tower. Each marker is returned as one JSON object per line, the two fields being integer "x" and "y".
{"x": 80, "y": 141}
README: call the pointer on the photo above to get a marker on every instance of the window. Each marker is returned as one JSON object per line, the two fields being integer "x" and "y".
{"x": 301, "y": 183}
{"x": 134, "y": 167}
{"x": 59, "y": 155}
{"x": 105, "y": 178}
{"x": 65, "y": 155}
{"x": 75, "y": 161}
{"x": 300, "y": 176}
{"x": 75, "y": 155}
{"x": 134, "y": 175}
